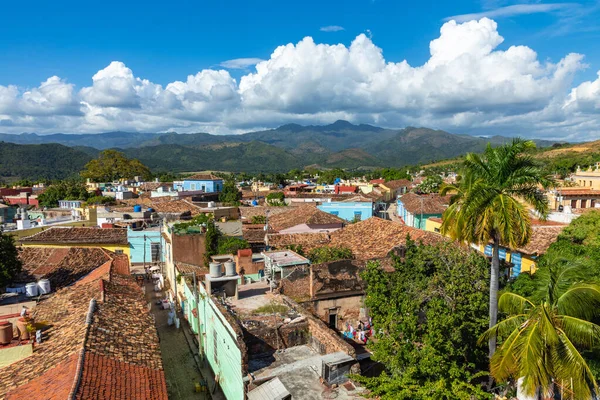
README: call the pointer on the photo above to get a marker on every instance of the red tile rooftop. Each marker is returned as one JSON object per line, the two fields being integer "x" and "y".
{"x": 78, "y": 235}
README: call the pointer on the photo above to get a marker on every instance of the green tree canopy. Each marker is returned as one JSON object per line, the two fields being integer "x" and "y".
{"x": 428, "y": 315}
{"x": 230, "y": 195}
{"x": 488, "y": 204}
{"x": 112, "y": 165}
{"x": 431, "y": 184}
{"x": 325, "y": 254}
{"x": 63, "y": 190}
{"x": 231, "y": 245}
{"x": 276, "y": 199}
{"x": 541, "y": 339}
{"x": 10, "y": 264}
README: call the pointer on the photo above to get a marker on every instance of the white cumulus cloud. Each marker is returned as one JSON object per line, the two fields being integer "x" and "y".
{"x": 468, "y": 84}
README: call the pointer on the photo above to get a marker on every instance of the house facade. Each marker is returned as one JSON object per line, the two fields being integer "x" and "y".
{"x": 349, "y": 211}
{"x": 206, "y": 183}
{"x": 415, "y": 210}
{"x": 146, "y": 246}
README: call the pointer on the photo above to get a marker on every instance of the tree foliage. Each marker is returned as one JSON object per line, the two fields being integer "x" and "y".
{"x": 542, "y": 338}
{"x": 211, "y": 241}
{"x": 325, "y": 254}
{"x": 487, "y": 204}
{"x": 276, "y": 199}
{"x": 431, "y": 184}
{"x": 112, "y": 165}
{"x": 10, "y": 264}
{"x": 63, "y": 190}
{"x": 230, "y": 195}
{"x": 428, "y": 315}
{"x": 259, "y": 219}
{"x": 231, "y": 245}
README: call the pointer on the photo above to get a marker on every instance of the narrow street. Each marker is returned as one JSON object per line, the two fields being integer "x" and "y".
{"x": 181, "y": 371}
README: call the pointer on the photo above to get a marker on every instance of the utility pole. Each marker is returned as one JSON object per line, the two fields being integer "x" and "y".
{"x": 421, "y": 220}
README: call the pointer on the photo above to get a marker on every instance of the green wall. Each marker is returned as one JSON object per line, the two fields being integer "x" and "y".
{"x": 219, "y": 343}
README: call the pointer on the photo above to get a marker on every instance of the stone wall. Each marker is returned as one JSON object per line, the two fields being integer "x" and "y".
{"x": 296, "y": 286}
{"x": 189, "y": 249}
{"x": 327, "y": 340}
{"x": 262, "y": 337}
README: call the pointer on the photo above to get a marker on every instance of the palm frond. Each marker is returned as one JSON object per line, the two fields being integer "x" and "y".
{"x": 581, "y": 332}
{"x": 570, "y": 366}
{"x": 512, "y": 303}
{"x": 581, "y": 300}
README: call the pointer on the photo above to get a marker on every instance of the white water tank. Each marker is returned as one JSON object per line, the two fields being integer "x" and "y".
{"x": 215, "y": 269}
{"x": 211, "y": 204}
{"x": 44, "y": 286}
{"x": 31, "y": 289}
{"x": 230, "y": 268}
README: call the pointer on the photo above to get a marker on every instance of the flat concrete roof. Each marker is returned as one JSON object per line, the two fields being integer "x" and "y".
{"x": 284, "y": 258}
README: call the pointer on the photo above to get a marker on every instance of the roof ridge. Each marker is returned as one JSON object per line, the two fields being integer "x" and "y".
{"x": 81, "y": 360}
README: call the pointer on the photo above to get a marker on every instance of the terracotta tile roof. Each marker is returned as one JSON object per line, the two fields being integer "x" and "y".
{"x": 122, "y": 328}
{"x": 377, "y": 181}
{"x": 541, "y": 238}
{"x": 253, "y": 235}
{"x": 55, "y": 384}
{"x": 249, "y": 212}
{"x": 370, "y": 239}
{"x": 149, "y": 186}
{"x": 376, "y": 237}
{"x": 308, "y": 241}
{"x": 121, "y": 352}
{"x": 436, "y": 219}
{"x": 189, "y": 269}
{"x": 161, "y": 205}
{"x": 78, "y": 235}
{"x": 306, "y": 214}
{"x": 397, "y": 184}
{"x": 106, "y": 378}
{"x": 580, "y": 192}
{"x": 203, "y": 177}
{"x": 61, "y": 265}
{"x": 427, "y": 204}
{"x": 65, "y": 311}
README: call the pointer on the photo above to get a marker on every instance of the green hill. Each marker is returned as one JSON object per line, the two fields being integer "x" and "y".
{"x": 40, "y": 161}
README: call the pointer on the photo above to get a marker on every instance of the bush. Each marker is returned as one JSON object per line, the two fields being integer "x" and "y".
{"x": 326, "y": 254}
{"x": 259, "y": 219}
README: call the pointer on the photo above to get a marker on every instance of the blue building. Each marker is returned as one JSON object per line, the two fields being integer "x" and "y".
{"x": 148, "y": 243}
{"x": 350, "y": 211}
{"x": 207, "y": 183}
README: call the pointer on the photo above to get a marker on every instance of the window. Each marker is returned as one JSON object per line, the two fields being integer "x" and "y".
{"x": 336, "y": 213}
{"x": 155, "y": 251}
{"x": 204, "y": 188}
{"x": 193, "y": 186}
{"x": 357, "y": 215}
{"x": 118, "y": 251}
{"x": 573, "y": 203}
{"x": 583, "y": 203}
{"x": 592, "y": 203}
{"x": 215, "y": 344}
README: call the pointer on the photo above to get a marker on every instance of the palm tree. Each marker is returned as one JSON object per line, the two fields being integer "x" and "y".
{"x": 542, "y": 334}
{"x": 490, "y": 203}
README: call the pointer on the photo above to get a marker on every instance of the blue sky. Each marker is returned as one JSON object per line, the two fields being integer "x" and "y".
{"x": 164, "y": 42}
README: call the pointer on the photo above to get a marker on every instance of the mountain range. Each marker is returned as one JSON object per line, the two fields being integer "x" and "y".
{"x": 337, "y": 145}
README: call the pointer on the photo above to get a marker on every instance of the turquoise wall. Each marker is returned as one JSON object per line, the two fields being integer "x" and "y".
{"x": 219, "y": 343}
{"x": 137, "y": 242}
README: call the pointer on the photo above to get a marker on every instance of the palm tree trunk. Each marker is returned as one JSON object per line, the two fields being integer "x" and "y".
{"x": 494, "y": 277}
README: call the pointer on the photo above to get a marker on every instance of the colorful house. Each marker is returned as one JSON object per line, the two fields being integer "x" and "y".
{"x": 350, "y": 211}
{"x": 392, "y": 189}
{"x": 146, "y": 246}
{"x": 416, "y": 209}
{"x": 523, "y": 259}
{"x": 113, "y": 239}
{"x": 207, "y": 183}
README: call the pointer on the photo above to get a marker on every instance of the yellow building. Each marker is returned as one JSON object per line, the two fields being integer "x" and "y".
{"x": 524, "y": 259}
{"x": 573, "y": 198}
{"x": 114, "y": 239}
{"x": 589, "y": 178}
